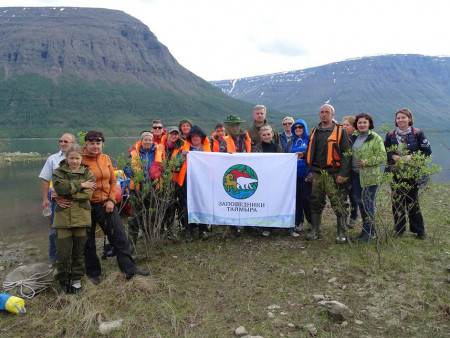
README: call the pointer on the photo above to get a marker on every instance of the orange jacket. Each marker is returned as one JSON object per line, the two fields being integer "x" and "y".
{"x": 103, "y": 170}
{"x": 160, "y": 156}
{"x": 187, "y": 146}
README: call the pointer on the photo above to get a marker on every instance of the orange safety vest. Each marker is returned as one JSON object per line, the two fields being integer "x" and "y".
{"x": 231, "y": 146}
{"x": 187, "y": 146}
{"x": 215, "y": 143}
{"x": 160, "y": 155}
{"x": 334, "y": 156}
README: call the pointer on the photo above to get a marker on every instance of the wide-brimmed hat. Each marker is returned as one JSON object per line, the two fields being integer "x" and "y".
{"x": 233, "y": 119}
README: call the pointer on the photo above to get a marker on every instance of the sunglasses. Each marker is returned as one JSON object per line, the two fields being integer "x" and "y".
{"x": 64, "y": 141}
{"x": 157, "y": 127}
{"x": 96, "y": 139}
{"x": 298, "y": 127}
{"x": 287, "y": 123}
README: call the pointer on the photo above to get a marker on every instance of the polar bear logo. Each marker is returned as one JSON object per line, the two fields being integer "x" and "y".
{"x": 245, "y": 183}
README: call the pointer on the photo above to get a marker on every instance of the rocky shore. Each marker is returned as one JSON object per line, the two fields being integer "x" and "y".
{"x": 19, "y": 156}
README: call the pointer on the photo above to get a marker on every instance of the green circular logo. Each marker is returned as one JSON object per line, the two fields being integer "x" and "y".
{"x": 240, "y": 181}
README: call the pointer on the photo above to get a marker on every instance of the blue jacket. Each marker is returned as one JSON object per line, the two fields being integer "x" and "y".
{"x": 284, "y": 141}
{"x": 299, "y": 145}
{"x": 145, "y": 156}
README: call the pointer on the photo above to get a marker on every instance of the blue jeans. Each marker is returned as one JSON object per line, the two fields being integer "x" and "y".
{"x": 365, "y": 197}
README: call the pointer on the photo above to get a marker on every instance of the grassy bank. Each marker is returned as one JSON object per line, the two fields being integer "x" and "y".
{"x": 395, "y": 287}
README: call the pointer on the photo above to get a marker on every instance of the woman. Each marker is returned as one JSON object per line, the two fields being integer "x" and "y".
{"x": 368, "y": 154}
{"x": 185, "y": 125}
{"x": 347, "y": 122}
{"x": 169, "y": 160}
{"x": 104, "y": 212}
{"x": 299, "y": 144}
{"x": 196, "y": 140}
{"x": 402, "y": 144}
{"x": 267, "y": 145}
{"x": 140, "y": 160}
{"x": 286, "y": 135}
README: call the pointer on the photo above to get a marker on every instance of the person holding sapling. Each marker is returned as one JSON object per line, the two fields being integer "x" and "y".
{"x": 368, "y": 154}
{"x": 406, "y": 146}
{"x": 138, "y": 170}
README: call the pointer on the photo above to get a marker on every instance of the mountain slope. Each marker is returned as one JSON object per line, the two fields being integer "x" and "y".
{"x": 378, "y": 85}
{"x": 80, "y": 68}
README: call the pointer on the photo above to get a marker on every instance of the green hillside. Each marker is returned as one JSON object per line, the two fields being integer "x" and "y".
{"x": 32, "y": 105}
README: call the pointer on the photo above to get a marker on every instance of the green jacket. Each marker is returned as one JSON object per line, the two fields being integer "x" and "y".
{"x": 374, "y": 153}
{"x": 68, "y": 184}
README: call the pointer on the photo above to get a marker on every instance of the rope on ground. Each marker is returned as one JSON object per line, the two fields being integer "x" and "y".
{"x": 35, "y": 283}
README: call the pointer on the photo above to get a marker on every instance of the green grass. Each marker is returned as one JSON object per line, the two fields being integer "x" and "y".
{"x": 397, "y": 287}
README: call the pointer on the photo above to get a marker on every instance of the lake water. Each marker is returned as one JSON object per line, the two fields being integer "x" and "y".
{"x": 20, "y": 200}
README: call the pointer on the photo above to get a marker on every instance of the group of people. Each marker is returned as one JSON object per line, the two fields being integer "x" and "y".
{"x": 333, "y": 159}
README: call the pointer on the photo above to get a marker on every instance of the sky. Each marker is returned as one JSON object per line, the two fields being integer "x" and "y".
{"x": 228, "y": 39}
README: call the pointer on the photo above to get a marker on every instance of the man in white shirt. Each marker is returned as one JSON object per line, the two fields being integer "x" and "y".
{"x": 50, "y": 165}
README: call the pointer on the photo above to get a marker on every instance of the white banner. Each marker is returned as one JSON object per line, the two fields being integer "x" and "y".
{"x": 253, "y": 189}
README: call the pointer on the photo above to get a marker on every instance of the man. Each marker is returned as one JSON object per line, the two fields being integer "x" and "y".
{"x": 158, "y": 131}
{"x": 238, "y": 140}
{"x": 50, "y": 165}
{"x": 219, "y": 139}
{"x": 328, "y": 145}
{"x": 259, "y": 120}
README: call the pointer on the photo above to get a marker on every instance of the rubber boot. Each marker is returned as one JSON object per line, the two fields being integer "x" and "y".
{"x": 316, "y": 229}
{"x": 341, "y": 236}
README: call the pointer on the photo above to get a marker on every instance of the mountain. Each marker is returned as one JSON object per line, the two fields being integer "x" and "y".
{"x": 379, "y": 85}
{"x": 75, "y": 69}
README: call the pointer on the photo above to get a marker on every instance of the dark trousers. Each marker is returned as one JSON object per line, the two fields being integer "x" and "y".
{"x": 405, "y": 199}
{"x": 70, "y": 259}
{"x": 112, "y": 226}
{"x": 302, "y": 208}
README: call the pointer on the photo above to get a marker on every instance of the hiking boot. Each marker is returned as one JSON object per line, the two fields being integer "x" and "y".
{"x": 298, "y": 227}
{"x": 266, "y": 233}
{"x": 367, "y": 237}
{"x": 94, "y": 279}
{"x": 421, "y": 236}
{"x": 235, "y": 231}
{"x": 351, "y": 224}
{"x": 315, "y": 231}
{"x": 399, "y": 235}
{"x": 75, "y": 286}
{"x": 341, "y": 236}
{"x": 64, "y": 288}
{"x": 138, "y": 272}
{"x": 292, "y": 233}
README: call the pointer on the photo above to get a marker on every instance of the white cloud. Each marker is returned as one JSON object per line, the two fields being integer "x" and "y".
{"x": 218, "y": 39}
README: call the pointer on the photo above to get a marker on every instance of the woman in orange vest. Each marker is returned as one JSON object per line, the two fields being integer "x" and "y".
{"x": 140, "y": 159}
{"x": 196, "y": 140}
